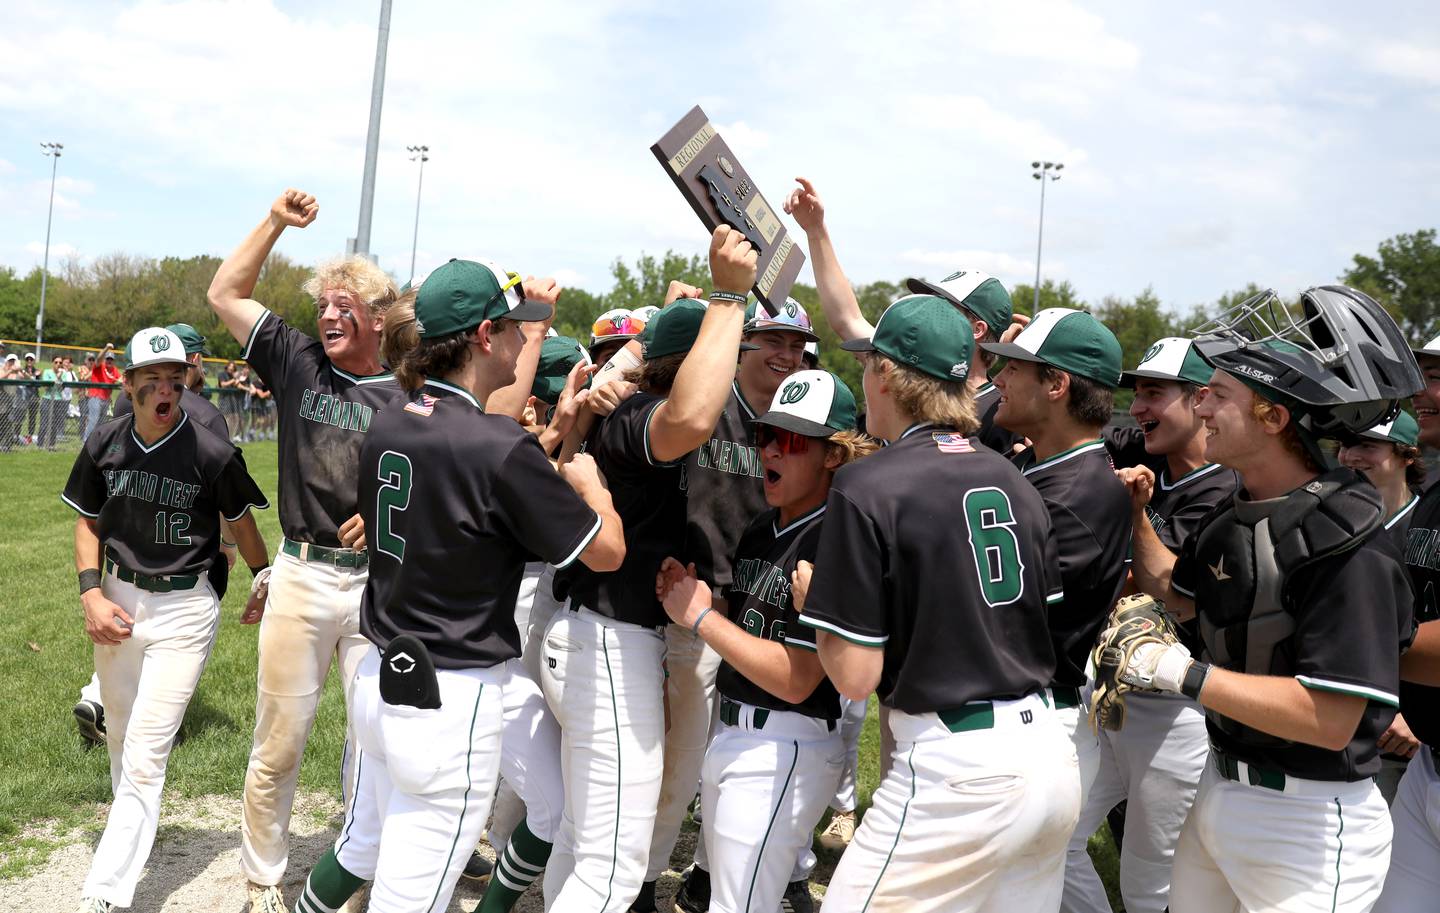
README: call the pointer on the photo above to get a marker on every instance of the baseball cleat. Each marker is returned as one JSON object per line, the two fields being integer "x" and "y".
{"x": 840, "y": 831}
{"x": 94, "y": 905}
{"x": 90, "y": 717}
{"x": 797, "y": 898}
{"x": 478, "y": 868}
{"x": 266, "y": 898}
{"x": 694, "y": 893}
{"x": 645, "y": 900}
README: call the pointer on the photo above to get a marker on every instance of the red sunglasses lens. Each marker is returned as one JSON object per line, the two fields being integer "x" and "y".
{"x": 787, "y": 441}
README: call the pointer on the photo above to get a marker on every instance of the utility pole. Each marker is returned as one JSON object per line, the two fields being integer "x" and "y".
{"x": 420, "y": 154}
{"x": 372, "y": 138}
{"x": 1043, "y": 170}
{"x": 51, "y": 151}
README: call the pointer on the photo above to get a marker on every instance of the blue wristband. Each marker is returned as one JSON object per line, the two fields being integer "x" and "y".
{"x": 695, "y": 628}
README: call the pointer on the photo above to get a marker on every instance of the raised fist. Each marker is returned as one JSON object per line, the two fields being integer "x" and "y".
{"x": 732, "y": 261}
{"x": 294, "y": 208}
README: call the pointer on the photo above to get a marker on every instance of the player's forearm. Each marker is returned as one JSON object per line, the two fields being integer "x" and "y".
{"x": 702, "y": 385}
{"x": 87, "y": 545}
{"x": 235, "y": 280}
{"x": 1151, "y": 565}
{"x": 837, "y": 296}
{"x": 1421, "y": 663}
{"x": 1281, "y": 706}
{"x": 511, "y": 400}
{"x": 249, "y": 541}
{"x": 790, "y": 675}
{"x": 854, "y": 669}
{"x": 606, "y": 552}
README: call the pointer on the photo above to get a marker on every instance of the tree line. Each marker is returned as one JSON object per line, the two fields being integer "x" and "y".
{"x": 108, "y": 298}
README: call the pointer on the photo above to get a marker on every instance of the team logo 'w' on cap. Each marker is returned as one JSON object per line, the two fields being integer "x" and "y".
{"x": 1067, "y": 339}
{"x": 790, "y": 317}
{"x": 1172, "y": 358}
{"x": 812, "y": 403}
{"x": 154, "y": 346}
{"x": 925, "y": 333}
{"x": 979, "y": 293}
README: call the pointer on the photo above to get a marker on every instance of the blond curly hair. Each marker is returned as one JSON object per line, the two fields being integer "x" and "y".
{"x": 357, "y": 275}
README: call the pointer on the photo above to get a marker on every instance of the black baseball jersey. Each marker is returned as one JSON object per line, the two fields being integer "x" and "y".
{"x": 1352, "y": 614}
{"x": 455, "y": 503}
{"x": 1176, "y": 505}
{"x": 324, "y": 414}
{"x": 938, "y": 552}
{"x": 200, "y": 410}
{"x": 651, "y": 503}
{"x": 1001, "y": 440}
{"x": 158, "y": 506}
{"x": 1420, "y": 704}
{"x": 1090, "y": 513}
{"x": 724, "y": 491}
{"x": 759, "y": 600}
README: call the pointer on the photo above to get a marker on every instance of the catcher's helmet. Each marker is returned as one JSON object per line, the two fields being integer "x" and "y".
{"x": 1341, "y": 361}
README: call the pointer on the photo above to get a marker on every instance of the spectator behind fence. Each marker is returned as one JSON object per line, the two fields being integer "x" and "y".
{"x": 68, "y": 393}
{"x": 10, "y": 407}
{"x": 97, "y": 399}
{"x": 30, "y": 398}
{"x": 230, "y": 398}
{"x": 52, "y": 402}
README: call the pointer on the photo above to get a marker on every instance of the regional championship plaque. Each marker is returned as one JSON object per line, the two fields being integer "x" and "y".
{"x": 718, "y": 189}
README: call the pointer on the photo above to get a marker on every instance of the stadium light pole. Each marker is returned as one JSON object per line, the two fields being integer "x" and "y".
{"x": 51, "y": 151}
{"x": 372, "y": 136}
{"x": 420, "y": 154}
{"x": 1042, "y": 170}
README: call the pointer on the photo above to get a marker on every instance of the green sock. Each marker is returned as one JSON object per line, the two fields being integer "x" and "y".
{"x": 328, "y": 886}
{"x": 516, "y": 869}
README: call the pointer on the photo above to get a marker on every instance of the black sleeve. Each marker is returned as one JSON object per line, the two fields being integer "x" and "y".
{"x": 798, "y": 634}
{"x": 235, "y": 491}
{"x": 85, "y": 491}
{"x": 1126, "y": 446}
{"x": 1081, "y": 555}
{"x": 122, "y": 405}
{"x": 847, "y": 590}
{"x": 1182, "y": 575}
{"x": 624, "y": 437}
{"x": 271, "y": 346}
{"x": 541, "y": 509}
{"x": 1183, "y": 523}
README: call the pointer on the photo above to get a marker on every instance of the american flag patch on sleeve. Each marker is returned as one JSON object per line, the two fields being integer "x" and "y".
{"x": 424, "y": 406}
{"x": 952, "y": 443}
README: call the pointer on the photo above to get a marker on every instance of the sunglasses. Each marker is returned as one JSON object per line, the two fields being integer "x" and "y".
{"x": 788, "y": 441}
{"x": 617, "y": 326}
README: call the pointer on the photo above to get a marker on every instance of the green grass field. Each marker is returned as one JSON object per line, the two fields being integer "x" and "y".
{"x": 45, "y": 658}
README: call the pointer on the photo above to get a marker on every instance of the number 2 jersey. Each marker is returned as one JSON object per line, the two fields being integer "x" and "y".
{"x": 158, "y": 506}
{"x": 942, "y": 554}
{"x": 759, "y": 597}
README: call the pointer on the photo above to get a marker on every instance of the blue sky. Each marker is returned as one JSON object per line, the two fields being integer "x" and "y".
{"x": 1205, "y": 146}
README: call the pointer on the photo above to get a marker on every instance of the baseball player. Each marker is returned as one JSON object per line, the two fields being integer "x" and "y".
{"x": 427, "y": 703}
{"x": 724, "y": 492}
{"x": 612, "y": 330}
{"x": 602, "y": 672}
{"x": 1413, "y": 881}
{"x": 1153, "y": 764}
{"x": 775, "y": 759}
{"x": 1298, "y": 675}
{"x": 1057, "y": 389}
{"x": 983, "y": 300}
{"x": 153, "y": 488}
{"x": 329, "y": 391}
{"x": 934, "y": 567}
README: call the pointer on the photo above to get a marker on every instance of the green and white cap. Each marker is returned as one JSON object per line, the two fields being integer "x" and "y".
{"x": 1172, "y": 358}
{"x": 979, "y": 293}
{"x": 674, "y": 329}
{"x": 812, "y": 403}
{"x": 925, "y": 333}
{"x": 154, "y": 346}
{"x": 558, "y": 355}
{"x": 462, "y": 294}
{"x": 1067, "y": 339}
{"x": 191, "y": 337}
{"x": 1403, "y": 429}
{"x": 646, "y": 313}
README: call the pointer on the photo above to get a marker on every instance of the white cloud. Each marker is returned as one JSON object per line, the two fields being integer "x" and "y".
{"x": 1003, "y": 266}
{"x": 1407, "y": 60}
{"x": 58, "y": 251}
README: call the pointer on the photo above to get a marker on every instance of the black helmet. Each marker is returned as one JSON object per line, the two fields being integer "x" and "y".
{"x": 1341, "y": 362}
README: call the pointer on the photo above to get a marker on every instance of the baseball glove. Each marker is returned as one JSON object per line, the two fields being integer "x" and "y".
{"x": 1134, "y": 622}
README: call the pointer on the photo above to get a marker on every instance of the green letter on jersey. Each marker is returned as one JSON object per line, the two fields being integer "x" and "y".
{"x": 394, "y": 494}
{"x": 997, "y": 551}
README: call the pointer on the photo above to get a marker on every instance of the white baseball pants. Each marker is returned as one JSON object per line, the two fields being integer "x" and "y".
{"x": 146, "y": 682}
{"x": 312, "y": 617}
{"x": 424, "y": 782}
{"x": 1155, "y": 764}
{"x": 763, "y": 790}
{"x": 1413, "y": 882}
{"x": 604, "y": 680}
{"x": 1320, "y": 847}
{"x": 966, "y": 822}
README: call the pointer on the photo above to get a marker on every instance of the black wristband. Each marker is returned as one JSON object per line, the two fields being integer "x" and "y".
{"x": 89, "y": 580}
{"x": 1194, "y": 679}
{"x": 728, "y": 296}
{"x": 254, "y": 571}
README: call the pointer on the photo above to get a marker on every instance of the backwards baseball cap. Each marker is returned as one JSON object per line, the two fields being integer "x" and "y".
{"x": 674, "y": 329}
{"x": 461, "y": 294}
{"x": 1403, "y": 429}
{"x": 1067, "y": 339}
{"x": 791, "y": 317}
{"x": 812, "y": 403}
{"x": 978, "y": 293}
{"x": 1172, "y": 358}
{"x": 922, "y": 332}
{"x": 154, "y": 346}
{"x": 558, "y": 355}
{"x": 646, "y": 313}
{"x": 191, "y": 338}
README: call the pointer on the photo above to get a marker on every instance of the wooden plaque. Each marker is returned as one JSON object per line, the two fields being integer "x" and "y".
{"x": 717, "y": 187}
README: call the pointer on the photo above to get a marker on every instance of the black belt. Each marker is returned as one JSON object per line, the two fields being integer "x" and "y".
{"x": 319, "y": 554}
{"x": 165, "y": 584}
{"x": 730, "y": 715}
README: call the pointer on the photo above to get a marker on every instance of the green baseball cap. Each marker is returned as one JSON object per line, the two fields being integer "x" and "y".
{"x": 154, "y": 346}
{"x": 461, "y": 294}
{"x": 1403, "y": 429}
{"x": 1172, "y": 358}
{"x": 812, "y": 403}
{"x": 925, "y": 333}
{"x": 1067, "y": 339}
{"x": 558, "y": 355}
{"x": 191, "y": 337}
{"x": 674, "y": 329}
{"x": 978, "y": 293}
